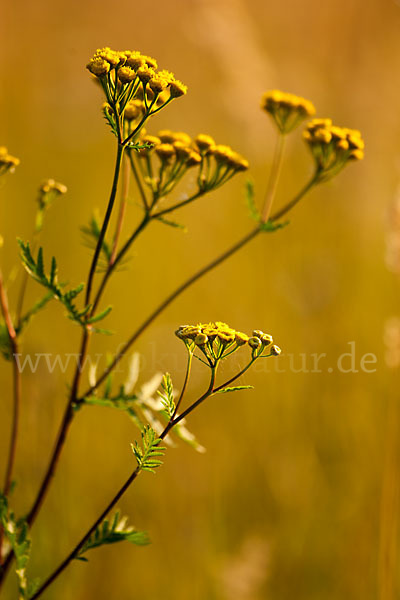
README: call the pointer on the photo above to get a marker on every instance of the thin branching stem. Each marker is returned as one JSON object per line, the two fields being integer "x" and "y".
{"x": 120, "y": 255}
{"x": 167, "y": 301}
{"x": 187, "y": 375}
{"x": 72, "y": 555}
{"x": 273, "y": 178}
{"x": 93, "y": 267}
{"x": 122, "y": 208}
{"x": 180, "y": 289}
{"x": 138, "y": 180}
{"x": 17, "y": 392}
{"x": 16, "y": 385}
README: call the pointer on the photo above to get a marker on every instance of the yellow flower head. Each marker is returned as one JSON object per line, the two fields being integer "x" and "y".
{"x": 158, "y": 84}
{"x": 167, "y": 75}
{"x": 7, "y": 162}
{"x": 182, "y": 150}
{"x": 145, "y": 73}
{"x": 49, "y": 185}
{"x": 134, "y": 59}
{"x": 332, "y": 147}
{"x": 287, "y": 110}
{"x": 204, "y": 142}
{"x": 237, "y": 162}
{"x": 177, "y": 89}
{"x": 111, "y": 56}
{"x": 165, "y": 152}
{"x": 150, "y": 62}
{"x": 216, "y": 340}
{"x": 126, "y": 74}
{"x": 98, "y": 66}
{"x": 194, "y": 159}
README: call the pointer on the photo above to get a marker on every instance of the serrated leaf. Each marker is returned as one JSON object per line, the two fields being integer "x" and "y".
{"x": 37, "y": 271}
{"x": 111, "y": 532}
{"x": 16, "y": 532}
{"x": 237, "y": 388}
{"x": 167, "y": 395}
{"x": 145, "y": 455}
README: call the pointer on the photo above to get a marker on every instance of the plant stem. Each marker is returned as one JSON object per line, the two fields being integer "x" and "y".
{"x": 17, "y": 390}
{"x": 167, "y": 301}
{"x": 69, "y": 413}
{"x": 16, "y": 386}
{"x": 287, "y": 207}
{"x": 24, "y": 284}
{"x": 273, "y": 178}
{"x": 75, "y": 551}
{"x": 122, "y": 209}
{"x": 161, "y": 213}
{"x": 213, "y": 264}
{"x": 113, "y": 502}
{"x": 106, "y": 221}
{"x": 112, "y": 266}
{"x": 187, "y": 375}
{"x": 138, "y": 180}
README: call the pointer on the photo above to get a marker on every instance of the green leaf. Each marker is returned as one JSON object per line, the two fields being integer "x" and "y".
{"x": 111, "y": 531}
{"x": 250, "y": 198}
{"x": 272, "y": 226}
{"x": 91, "y": 235}
{"x": 172, "y": 223}
{"x": 100, "y": 316}
{"x": 167, "y": 395}
{"x": 37, "y": 272}
{"x": 5, "y": 346}
{"x": 16, "y": 532}
{"x": 147, "y": 456}
{"x": 109, "y": 117}
{"x": 237, "y": 388}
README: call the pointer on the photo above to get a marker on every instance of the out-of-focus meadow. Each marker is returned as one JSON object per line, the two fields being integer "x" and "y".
{"x": 287, "y": 501}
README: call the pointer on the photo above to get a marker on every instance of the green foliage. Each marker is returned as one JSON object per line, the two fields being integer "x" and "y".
{"x": 16, "y": 533}
{"x": 5, "y": 347}
{"x": 167, "y": 395}
{"x": 111, "y": 532}
{"x": 110, "y": 118}
{"x": 271, "y": 226}
{"x": 237, "y": 388}
{"x": 251, "y": 203}
{"x": 36, "y": 270}
{"x": 120, "y": 401}
{"x": 172, "y": 223}
{"x": 91, "y": 233}
{"x": 147, "y": 456}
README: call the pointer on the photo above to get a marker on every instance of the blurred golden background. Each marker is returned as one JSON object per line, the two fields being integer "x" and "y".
{"x": 296, "y": 495}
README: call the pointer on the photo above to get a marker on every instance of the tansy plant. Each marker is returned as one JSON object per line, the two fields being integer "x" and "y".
{"x": 168, "y": 170}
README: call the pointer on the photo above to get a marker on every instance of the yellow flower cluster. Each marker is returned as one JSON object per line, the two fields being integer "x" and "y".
{"x": 7, "y": 162}
{"x": 132, "y": 67}
{"x": 218, "y": 340}
{"x": 332, "y": 146}
{"x": 177, "y": 152}
{"x": 287, "y": 110}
